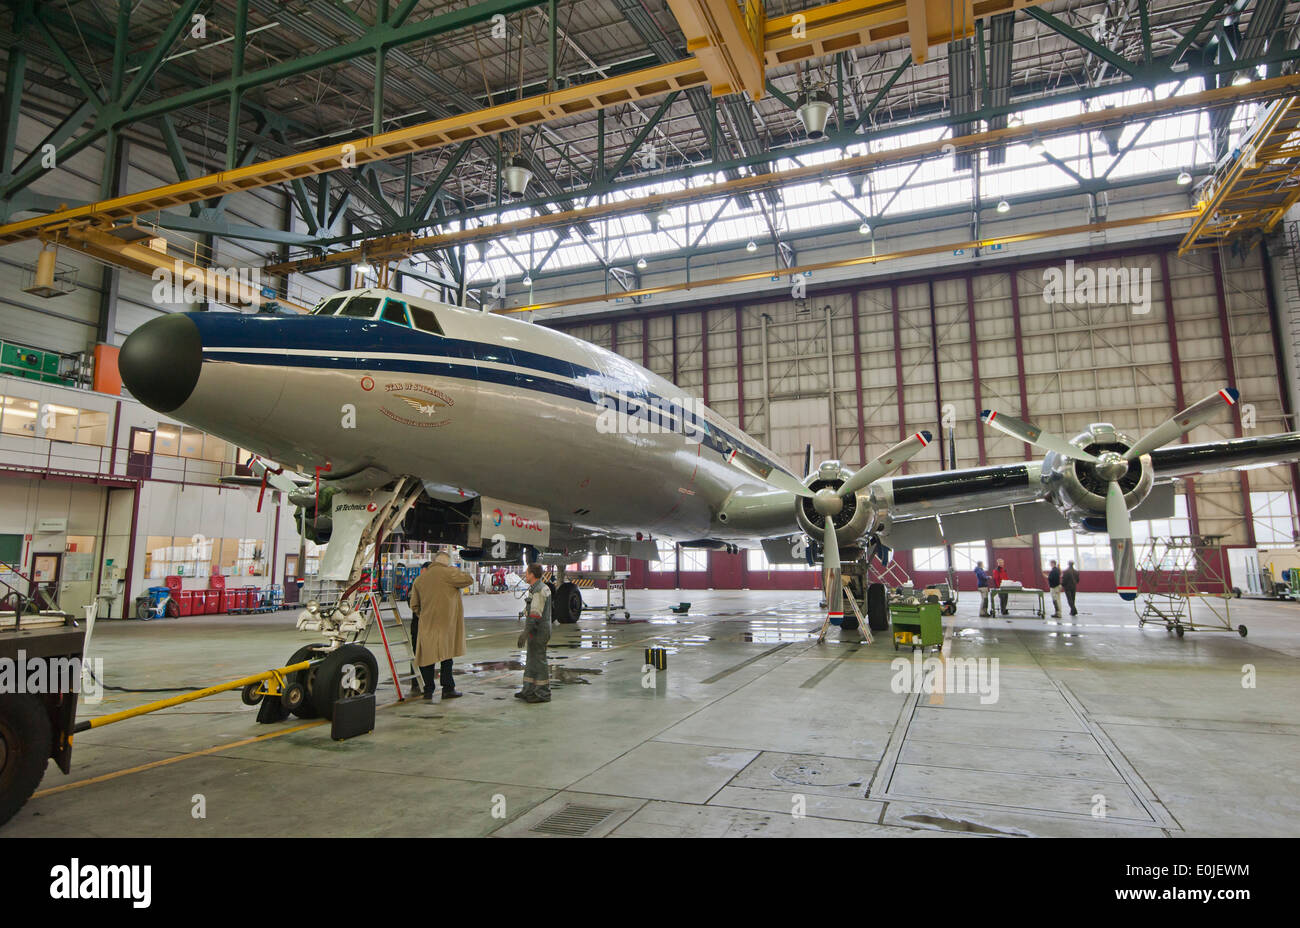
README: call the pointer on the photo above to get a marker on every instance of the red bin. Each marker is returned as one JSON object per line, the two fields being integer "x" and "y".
{"x": 197, "y": 602}
{"x": 214, "y": 601}
{"x": 184, "y": 601}
{"x": 243, "y": 597}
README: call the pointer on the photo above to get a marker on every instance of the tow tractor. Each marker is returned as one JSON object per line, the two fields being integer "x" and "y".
{"x": 35, "y": 727}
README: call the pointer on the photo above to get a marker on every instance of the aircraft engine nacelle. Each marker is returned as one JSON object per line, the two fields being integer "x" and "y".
{"x": 1078, "y": 488}
{"x": 853, "y": 519}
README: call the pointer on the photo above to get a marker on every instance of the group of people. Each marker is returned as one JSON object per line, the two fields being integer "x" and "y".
{"x": 1058, "y": 581}
{"x": 438, "y": 628}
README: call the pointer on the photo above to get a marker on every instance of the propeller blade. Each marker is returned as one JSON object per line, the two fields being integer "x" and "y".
{"x": 1018, "y": 428}
{"x": 1182, "y": 423}
{"x": 1120, "y": 529}
{"x": 887, "y": 463}
{"x": 807, "y": 459}
{"x": 831, "y": 561}
{"x": 774, "y": 476}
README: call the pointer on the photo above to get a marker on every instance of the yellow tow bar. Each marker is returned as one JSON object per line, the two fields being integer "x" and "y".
{"x": 274, "y": 680}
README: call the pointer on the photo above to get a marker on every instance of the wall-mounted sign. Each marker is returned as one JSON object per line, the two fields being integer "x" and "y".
{"x": 51, "y": 526}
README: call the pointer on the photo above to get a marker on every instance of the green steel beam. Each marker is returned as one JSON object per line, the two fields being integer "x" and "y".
{"x": 781, "y": 95}
{"x": 1145, "y": 22}
{"x": 69, "y": 67}
{"x": 880, "y": 94}
{"x": 420, "y": 213}
{"x": 149, "y": 67}
{"x": 15, "y": 73}
{"x": 239, "y": 42}
{"x": 117, "y": 113}
{"x": 1213, "y": 10}
{"x": 636, "y": 143}
{"x": 1084, "y": 41}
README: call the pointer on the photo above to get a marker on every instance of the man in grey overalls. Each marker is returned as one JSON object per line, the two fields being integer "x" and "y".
{"x": 536, "y": 634}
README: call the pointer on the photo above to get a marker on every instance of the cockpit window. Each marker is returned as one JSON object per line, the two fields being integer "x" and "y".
{"x": 328, "y": 307}
{"x": 361, "y": 307}
{"x": 395, "y": 312}
{"x": 424, "y": 319}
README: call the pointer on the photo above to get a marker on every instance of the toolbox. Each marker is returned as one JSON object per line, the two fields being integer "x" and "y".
{"x": 917, "y": 626}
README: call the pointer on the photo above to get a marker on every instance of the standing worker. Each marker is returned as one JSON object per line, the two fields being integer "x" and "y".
{"x": 982, "y": 583}
{"x": 1000, "y": 576}
{"x": 1070, "y": 583}
{"x": 435, "y": 601}
{"x": 1054, "y": 584}
{"x": 536, "y": 634}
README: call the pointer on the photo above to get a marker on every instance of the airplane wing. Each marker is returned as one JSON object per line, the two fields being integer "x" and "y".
{"x": 950, "y": 507}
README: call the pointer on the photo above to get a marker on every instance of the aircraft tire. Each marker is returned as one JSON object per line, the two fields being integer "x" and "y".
{"x": 566, "y": 603}
{"x": 26, "y": 737}
{"x": 328, "y": 687}
{"x": 877, "y": 607}
{"x": 307, "y": 709}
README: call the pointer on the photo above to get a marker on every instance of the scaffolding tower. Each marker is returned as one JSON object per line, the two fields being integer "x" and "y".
{"x": 1183, "y": 584}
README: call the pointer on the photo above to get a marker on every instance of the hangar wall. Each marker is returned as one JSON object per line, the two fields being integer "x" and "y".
{"x": 929, "y": 352}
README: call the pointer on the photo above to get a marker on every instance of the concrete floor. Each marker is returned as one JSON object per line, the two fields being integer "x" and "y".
{"x": 752, "y": 723}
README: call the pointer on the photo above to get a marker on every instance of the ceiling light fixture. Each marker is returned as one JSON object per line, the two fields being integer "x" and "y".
{"x": 751, "y": 245}
{"x": 1184, "y": 178}
{"x": 813, "y": 109}
{"x": 865, "y": 228}
{"x": 641, "y": 263}
{"x": 528, "y": 280}
{"x": 1004, "y": 206}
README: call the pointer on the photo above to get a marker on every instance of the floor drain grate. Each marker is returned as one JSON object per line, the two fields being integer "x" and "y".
{"x": 573, "y": 821}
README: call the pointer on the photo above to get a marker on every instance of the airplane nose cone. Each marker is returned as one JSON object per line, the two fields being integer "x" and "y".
{"x": 160, "y": 361}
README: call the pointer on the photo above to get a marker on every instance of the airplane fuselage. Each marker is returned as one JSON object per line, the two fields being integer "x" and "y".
{"x": 489, "y": 406}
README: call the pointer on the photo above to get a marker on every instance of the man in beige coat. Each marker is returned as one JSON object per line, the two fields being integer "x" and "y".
{"x": 435, "y": 602}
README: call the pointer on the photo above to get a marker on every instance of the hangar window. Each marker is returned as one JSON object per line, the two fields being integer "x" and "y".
{"x": 667, "y": 558}
{"x": 1272, "y": 514}
{"x": 395, "y": 312}
{"x": 361, "y": 307}
{"x": 695, "y": 560}
{"x": 964, "y": 557}
{"x": 756, "y": 561}
{"x": 424, "y": 319}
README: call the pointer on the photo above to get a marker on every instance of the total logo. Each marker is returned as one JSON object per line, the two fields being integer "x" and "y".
{"x": 518, "y": 521}
{"x": 496, "y": 517}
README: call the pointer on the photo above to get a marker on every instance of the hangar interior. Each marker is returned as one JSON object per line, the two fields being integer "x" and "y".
{"x": 836, "y": 225}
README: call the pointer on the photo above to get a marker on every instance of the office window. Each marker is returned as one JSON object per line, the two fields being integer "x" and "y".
{"x": 92, "y": 428}
{"x": 167, "y": 440}
{"x": 1273, "y": 515}
{"x": 191, "y": 444}
{"x": 59, "y": 422}
{"x": 18, "y": 416}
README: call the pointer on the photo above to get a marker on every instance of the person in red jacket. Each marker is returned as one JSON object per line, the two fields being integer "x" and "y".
{"x": 999, "y": 575}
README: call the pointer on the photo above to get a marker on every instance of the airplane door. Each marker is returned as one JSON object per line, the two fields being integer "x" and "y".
{"x": 139, "y": 455}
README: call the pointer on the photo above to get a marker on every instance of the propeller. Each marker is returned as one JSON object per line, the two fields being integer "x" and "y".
{"x": 1111, "y": 466}
{"x": 829, "y": 502}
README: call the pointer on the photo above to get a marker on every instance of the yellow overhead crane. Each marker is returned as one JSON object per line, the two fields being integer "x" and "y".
{"x": 139, "y": 248}
{"x": 784, "y": 40}
{"x": 1251, "y": 191}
